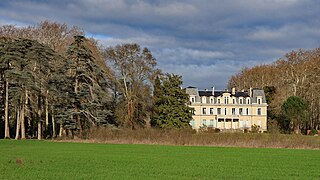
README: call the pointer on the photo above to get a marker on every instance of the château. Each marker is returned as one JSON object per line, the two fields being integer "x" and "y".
{"x": 229, "y": 109}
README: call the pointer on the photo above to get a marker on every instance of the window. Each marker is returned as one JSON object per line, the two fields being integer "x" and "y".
{"x": 226, "y": 100}
{"x": 204, "y": 100}
{"x": 219, "y": 111}
{"x": 192, "y": 123}
{"x": 193, "y": 111}
{"x": 247, "y": 111}
{"x": 240, "y": 111}
{"x": 204, "y": 122}
{"x": 218, "y": 101}
{"x": 211, "y": 110}
{"x": 233, "y": 101}
{"x": 220, "y": 120}
{"x": 204, "y": 111}
{"x": 259, "y": 101}
{"x": 233, "y": 111}
{"x": 211, "y": 101}
{"x": 192, "y": 99}
{"x": 259, "y": 111}
{"x": 241, "y": 101}
{"x": 248, "y": 101}
{"x": 211, "y": 123}
{"x": 225, "y": 111}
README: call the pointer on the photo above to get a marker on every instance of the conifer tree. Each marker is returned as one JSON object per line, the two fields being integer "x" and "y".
{"x": 27, "y": 72}
{"x": 89, "y": 94}
{"x": 171, "y": 109}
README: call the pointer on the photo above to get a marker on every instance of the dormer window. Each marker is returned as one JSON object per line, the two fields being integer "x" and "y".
{"x": 248, "y": 101}
{"x": 241, "y": 101}
{"x": 204, "y": 99}
{"x": 259, "y": 101}
{"x": 233, "y": 101}
{"x": 192, "y": 100}
{"x": 226, "y": 100}
{"x": 218, "y": 101}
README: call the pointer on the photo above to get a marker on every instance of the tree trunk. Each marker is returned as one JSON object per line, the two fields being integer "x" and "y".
{"x": 61, "y": 130}
{"x": 47, "y": 110}
{"x": 39, "y": 120}
{"x": 6, "y": 113}
{"x": 18, "y": 124}
{"x": 39, "y": 130}
{"x": 77, "y": 117}
{"x": 296, "y": 128}
{"x": 53, "y": 126}
{"x": 23, "y": 129}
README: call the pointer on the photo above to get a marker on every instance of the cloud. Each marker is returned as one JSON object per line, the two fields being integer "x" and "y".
{"x": 203, "y": 76}
{"x": 205, "y": 41}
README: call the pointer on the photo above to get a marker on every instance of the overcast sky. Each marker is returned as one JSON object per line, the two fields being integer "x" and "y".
{"x": 205, "y": 41}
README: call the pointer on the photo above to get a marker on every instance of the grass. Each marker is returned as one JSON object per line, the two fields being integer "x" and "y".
{"x": 32, "y": 159}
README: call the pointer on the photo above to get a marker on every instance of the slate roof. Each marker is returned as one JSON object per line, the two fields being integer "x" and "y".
{"x": 258, "y": 92}
{"x": 219, "y": 93}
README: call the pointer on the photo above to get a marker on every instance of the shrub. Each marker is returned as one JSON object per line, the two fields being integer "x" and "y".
{"x": 203, "y": 128}
{"x": 213, "y": 130}
{"x": 313, "y": 132}
{"x": 255, "y": 128}
{"x": 246, "y": 130}
{"x": 189, "y": 137}
{"x": 273, "y": 127}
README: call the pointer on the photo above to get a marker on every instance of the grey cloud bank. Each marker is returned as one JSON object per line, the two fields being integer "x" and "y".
{"x": 205, "y": 41}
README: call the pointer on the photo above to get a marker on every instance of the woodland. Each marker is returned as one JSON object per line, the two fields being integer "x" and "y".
{"x": 55, "y": 82}
{"x": 292, "y": 86}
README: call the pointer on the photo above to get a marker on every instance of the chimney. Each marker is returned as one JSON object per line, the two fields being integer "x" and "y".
{"x": 213, "y": 90}
{"x": 233, "y": 92}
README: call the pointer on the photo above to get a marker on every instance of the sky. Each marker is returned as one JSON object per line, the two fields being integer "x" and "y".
{"x": 204, "y": 41}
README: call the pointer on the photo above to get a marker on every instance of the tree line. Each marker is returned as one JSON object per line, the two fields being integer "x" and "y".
{"x": 291, "y": 82}
{"x": 56, "y": 82}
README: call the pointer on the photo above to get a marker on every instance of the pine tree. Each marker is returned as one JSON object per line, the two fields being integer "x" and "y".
{"x": 28, "y": 67}
{"x": 89, "y": 94}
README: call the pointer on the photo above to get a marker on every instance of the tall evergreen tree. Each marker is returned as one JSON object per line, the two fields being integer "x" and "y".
{"x": 4, "y": 66}
{"x": 171, "y": 109}
{"x": 27, "y": 69}
{"x": 89, "y": 94}
{"x": 296, "y": 110}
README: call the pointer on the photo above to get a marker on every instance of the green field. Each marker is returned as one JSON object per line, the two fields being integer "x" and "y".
{"x": 56, "y": 160}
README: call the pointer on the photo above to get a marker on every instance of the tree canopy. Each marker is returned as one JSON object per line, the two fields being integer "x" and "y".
{"x": 295, "y": 74}
{"x": 170, "y": 108}
{"x": 132, "y": 76}
{"x": 296, "y": 110}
